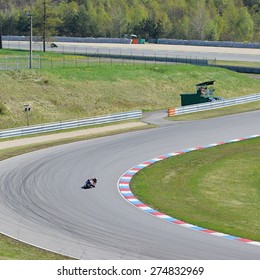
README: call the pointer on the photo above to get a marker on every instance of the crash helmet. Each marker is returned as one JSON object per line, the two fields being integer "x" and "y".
{"x": 95, "y": 180}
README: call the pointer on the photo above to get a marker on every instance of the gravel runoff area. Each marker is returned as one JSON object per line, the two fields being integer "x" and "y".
{"x": 71, "y": 134}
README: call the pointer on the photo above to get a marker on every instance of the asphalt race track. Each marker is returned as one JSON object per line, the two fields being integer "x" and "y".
{"x": 42, "y": 203}
{"x": 153, "y": 50}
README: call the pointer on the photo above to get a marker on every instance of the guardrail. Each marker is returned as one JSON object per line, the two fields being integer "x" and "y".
{"x": 213, "y": 105}
{"x": 70, "y": 124}
{"x": 141, "y": 57}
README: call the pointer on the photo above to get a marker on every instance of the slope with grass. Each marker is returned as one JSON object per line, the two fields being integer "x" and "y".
{"x": 58, "y": 94}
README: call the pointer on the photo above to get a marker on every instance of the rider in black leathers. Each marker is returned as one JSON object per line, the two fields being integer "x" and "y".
{"x": 90, "y": 183}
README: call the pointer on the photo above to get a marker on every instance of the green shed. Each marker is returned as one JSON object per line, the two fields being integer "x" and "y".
{"x": 204, "y": 93}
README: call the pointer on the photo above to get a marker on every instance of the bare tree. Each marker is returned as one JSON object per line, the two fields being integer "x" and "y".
{"x": 198, "y": 21}
{"x": 118, "y": 22}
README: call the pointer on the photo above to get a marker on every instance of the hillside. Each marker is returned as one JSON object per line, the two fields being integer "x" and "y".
{"x": 70, "y": 93}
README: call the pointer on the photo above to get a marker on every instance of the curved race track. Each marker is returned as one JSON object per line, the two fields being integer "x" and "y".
{"x": 42, "y": 203}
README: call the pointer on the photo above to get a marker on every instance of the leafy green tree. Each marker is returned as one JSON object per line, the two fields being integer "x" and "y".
{"x": 9, "y": 24}
{"x": 118, "y": 22}
{"x": 75, "y": 21}
{"x": 245, "y": 26}
{"x": 251, "y": 3}
{"x": 83, "y": 24}
{"x": 181, "y": 19}
{"x": 238, "y": 24}
{"x": 254, "y": 10}
{"x": 221, "y": 5}
{"x": 45, "y": 19}
{"x": 148, "y": 29}
{"x": 68, "y": 14}
{"x": 23, "y": 24}
{"x": 177, "y": 14}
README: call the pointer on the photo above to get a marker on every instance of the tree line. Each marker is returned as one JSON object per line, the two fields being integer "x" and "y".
{"x": 213, "y": 20}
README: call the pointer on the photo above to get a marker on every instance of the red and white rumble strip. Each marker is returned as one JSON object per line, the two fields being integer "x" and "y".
{"x": 125, "y": 191}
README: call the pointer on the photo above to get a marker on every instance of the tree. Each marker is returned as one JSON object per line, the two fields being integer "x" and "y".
{"x": 118, "y": 22}
{"x": 9, "y": 25}
{"x": 198, "y": 21}
{"x": 251, "y": 3}
{"x": 67, "y": 13}
{"x": 254, "y": 10}
{"x": 148, "y": 29}
{"x": 23, "y": 24}
{"x": 221, "y": 6}
{"x": 177, "y": 14}
{"x": 45, "y": 19}
{"x": 181, "y": 19}
{"x": 244, "y": 26}
{"x": 238, "y": 24}
{"x": 84, "y": 25}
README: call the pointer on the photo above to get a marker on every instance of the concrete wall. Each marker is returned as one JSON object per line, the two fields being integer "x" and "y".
{"x": 209, "y": 43}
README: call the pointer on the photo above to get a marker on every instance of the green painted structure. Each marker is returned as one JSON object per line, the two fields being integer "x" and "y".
{"x": 204, "y": 93}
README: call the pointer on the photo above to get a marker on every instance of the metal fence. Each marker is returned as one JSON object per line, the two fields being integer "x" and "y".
{"x": 91, "y": 54}
{"x": 18, "y": 62}
{"x": 215, "y": 105}
{"x": 96, "y": 59}
{"x": 93, "y": 59}
{"x": 137, "y": 114}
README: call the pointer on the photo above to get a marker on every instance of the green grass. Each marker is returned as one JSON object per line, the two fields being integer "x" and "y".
{"x": 11, "y": 249}
{"x": 216, "y": 188}
{"x": 58, "y": 94}
{"x": 238, "y": 63}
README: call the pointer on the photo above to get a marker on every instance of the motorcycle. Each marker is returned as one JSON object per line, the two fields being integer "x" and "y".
{"x": 89, "y": 184}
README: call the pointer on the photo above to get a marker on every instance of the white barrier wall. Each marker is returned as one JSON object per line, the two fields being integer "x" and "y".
{"x": 70, "y": 124}
{"x": 216, "y": 104}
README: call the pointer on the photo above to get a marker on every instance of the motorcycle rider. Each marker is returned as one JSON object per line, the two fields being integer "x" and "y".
{"x": 90, "y": 183}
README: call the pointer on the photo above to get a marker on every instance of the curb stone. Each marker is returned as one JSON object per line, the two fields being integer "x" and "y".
{"x": 125, "y": 191}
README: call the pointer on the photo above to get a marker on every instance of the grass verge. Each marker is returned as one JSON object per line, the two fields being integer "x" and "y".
{"x": 216, "y": 188}
{"x": 12, "y": 249}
